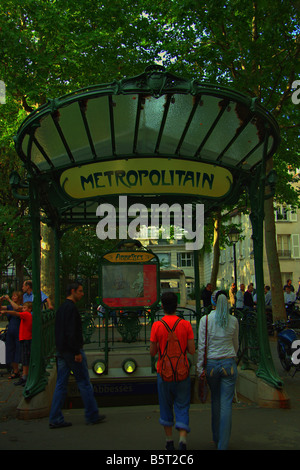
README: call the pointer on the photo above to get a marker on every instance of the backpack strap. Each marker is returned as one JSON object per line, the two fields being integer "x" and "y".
{"x": 174, "y": 326}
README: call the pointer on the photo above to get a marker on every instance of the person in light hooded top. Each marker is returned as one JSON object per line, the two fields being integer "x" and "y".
{"x": 221, "y": 369}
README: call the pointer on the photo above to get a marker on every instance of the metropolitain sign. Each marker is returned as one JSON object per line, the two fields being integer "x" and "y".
{"x": 146, "y": 176}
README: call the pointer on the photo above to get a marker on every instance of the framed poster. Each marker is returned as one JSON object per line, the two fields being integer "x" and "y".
{"x": 129, "y": 279}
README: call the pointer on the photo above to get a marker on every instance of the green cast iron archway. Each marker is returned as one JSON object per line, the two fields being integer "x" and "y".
{"x": 152, "y": 136}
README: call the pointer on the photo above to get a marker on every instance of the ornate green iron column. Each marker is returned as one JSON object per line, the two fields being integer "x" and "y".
{"x": 36, "y": 379}
{"x": 57, "y": 238}
{"x": 197, "y": 288}
{"x": 256, "y": 188}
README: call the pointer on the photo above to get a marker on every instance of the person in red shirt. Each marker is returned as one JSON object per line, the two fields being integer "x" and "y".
{"x": 175, "y": 393}
{"x": 25, "y": 337}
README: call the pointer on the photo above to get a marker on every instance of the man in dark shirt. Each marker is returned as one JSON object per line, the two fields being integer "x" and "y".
{"x": 206, "y": 295}
{"x": 248, "y": 297}
{"x": 289, "y": 284}
{"x": 71, "y": 357}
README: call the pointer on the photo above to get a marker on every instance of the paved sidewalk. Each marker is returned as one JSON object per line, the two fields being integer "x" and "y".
{"x": 136, "y": 428}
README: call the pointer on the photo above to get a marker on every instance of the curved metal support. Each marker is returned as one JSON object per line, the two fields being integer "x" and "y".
{"x": 16, "y": 183}
{"x": 256, "y": 188}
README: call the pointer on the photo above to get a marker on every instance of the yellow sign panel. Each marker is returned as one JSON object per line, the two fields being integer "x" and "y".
{"x": 146, "y": 176}
{"x": 128, "y": 257}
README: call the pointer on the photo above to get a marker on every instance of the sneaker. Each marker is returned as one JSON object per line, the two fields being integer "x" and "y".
{"x": 64, "y": 424}
{"x": 182, "y": 446}
{"x": 170, "y": 445}
{"x": 99, "y": 420}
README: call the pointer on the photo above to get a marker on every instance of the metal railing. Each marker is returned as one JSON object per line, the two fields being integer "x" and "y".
{"x": 130, "y": 328}
{"x": 248, "y": 338}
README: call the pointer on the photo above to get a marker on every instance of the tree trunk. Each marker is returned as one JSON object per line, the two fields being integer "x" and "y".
{"x": 216, "y": 250}
{"x": 278, "y": 308}
{"x": 19, "y": 274}
{"x": 47, "y": 262}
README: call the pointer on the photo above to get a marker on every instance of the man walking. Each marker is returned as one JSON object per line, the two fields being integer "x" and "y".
{"x": 71, "y": 357}
{"x": 174, "y": 392}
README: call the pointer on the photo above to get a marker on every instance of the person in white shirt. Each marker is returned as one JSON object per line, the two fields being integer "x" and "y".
{"x": 221, "y": 369}
{"x": 289, "y": 296}
{"x": 240, "y": 297}
{"x": 268, "y": 296}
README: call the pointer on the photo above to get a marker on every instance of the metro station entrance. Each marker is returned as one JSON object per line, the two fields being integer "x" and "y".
{"x": 155, "y": 138}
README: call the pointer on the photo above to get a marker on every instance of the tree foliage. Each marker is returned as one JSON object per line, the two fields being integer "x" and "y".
{"x": 52, "y": 47}
{"x": 252, "y": 46}
{"x": 81, "y": 251}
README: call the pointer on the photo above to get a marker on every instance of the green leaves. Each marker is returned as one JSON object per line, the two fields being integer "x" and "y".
{"x": 49, "y": 48}
{"x": 81, "y": 250}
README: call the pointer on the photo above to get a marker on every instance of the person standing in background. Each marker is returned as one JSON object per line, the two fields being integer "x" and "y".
{"x": 12, "y": 342}
{"x": 232, "y": 292}
{"x": 240, "y": 297}
{"x": 28, "y": 295}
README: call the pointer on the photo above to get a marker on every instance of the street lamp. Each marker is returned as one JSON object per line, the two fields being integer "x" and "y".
{"x": 233, "y": 236}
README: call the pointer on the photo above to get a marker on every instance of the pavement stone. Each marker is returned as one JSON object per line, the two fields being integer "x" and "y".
{"x": 135, "y": 430}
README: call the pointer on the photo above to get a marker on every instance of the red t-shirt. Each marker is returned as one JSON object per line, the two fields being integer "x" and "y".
{"x": 159, "y": 334}
{"x": 25, "y": 331}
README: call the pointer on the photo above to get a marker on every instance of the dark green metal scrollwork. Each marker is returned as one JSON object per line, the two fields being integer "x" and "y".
{"x": 129, "y": 327}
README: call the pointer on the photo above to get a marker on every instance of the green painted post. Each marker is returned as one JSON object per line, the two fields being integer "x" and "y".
{"x": 266, "y": 369}
{"x": 197, "y": 288}
{"x": 106, "y": 316}
{"x": 57, "y": 237}
{"x": 36, "y": 380}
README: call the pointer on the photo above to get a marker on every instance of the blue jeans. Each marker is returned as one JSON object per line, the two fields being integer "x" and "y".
{"x": 66, "y": 364}
{"x": 177, "y": 394}
{"x": 221, "y": 378}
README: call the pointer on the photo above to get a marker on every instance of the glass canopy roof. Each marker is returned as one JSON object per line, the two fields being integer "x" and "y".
{"x": 136, "y": 121}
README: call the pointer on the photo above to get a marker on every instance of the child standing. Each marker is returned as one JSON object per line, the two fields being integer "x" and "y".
{"x": 25, "y": 337}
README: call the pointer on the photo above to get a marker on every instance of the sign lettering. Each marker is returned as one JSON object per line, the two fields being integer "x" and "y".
{"x": 146, "y": 176}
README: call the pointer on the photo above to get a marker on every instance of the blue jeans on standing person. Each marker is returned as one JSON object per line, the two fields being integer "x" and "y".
{"x": 221, "y": 378}
{"x": 66, "y": 364}
{"x": 177, "y": 395}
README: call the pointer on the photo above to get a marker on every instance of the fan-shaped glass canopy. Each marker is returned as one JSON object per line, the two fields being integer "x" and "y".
{"x": 153, "y": 135}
